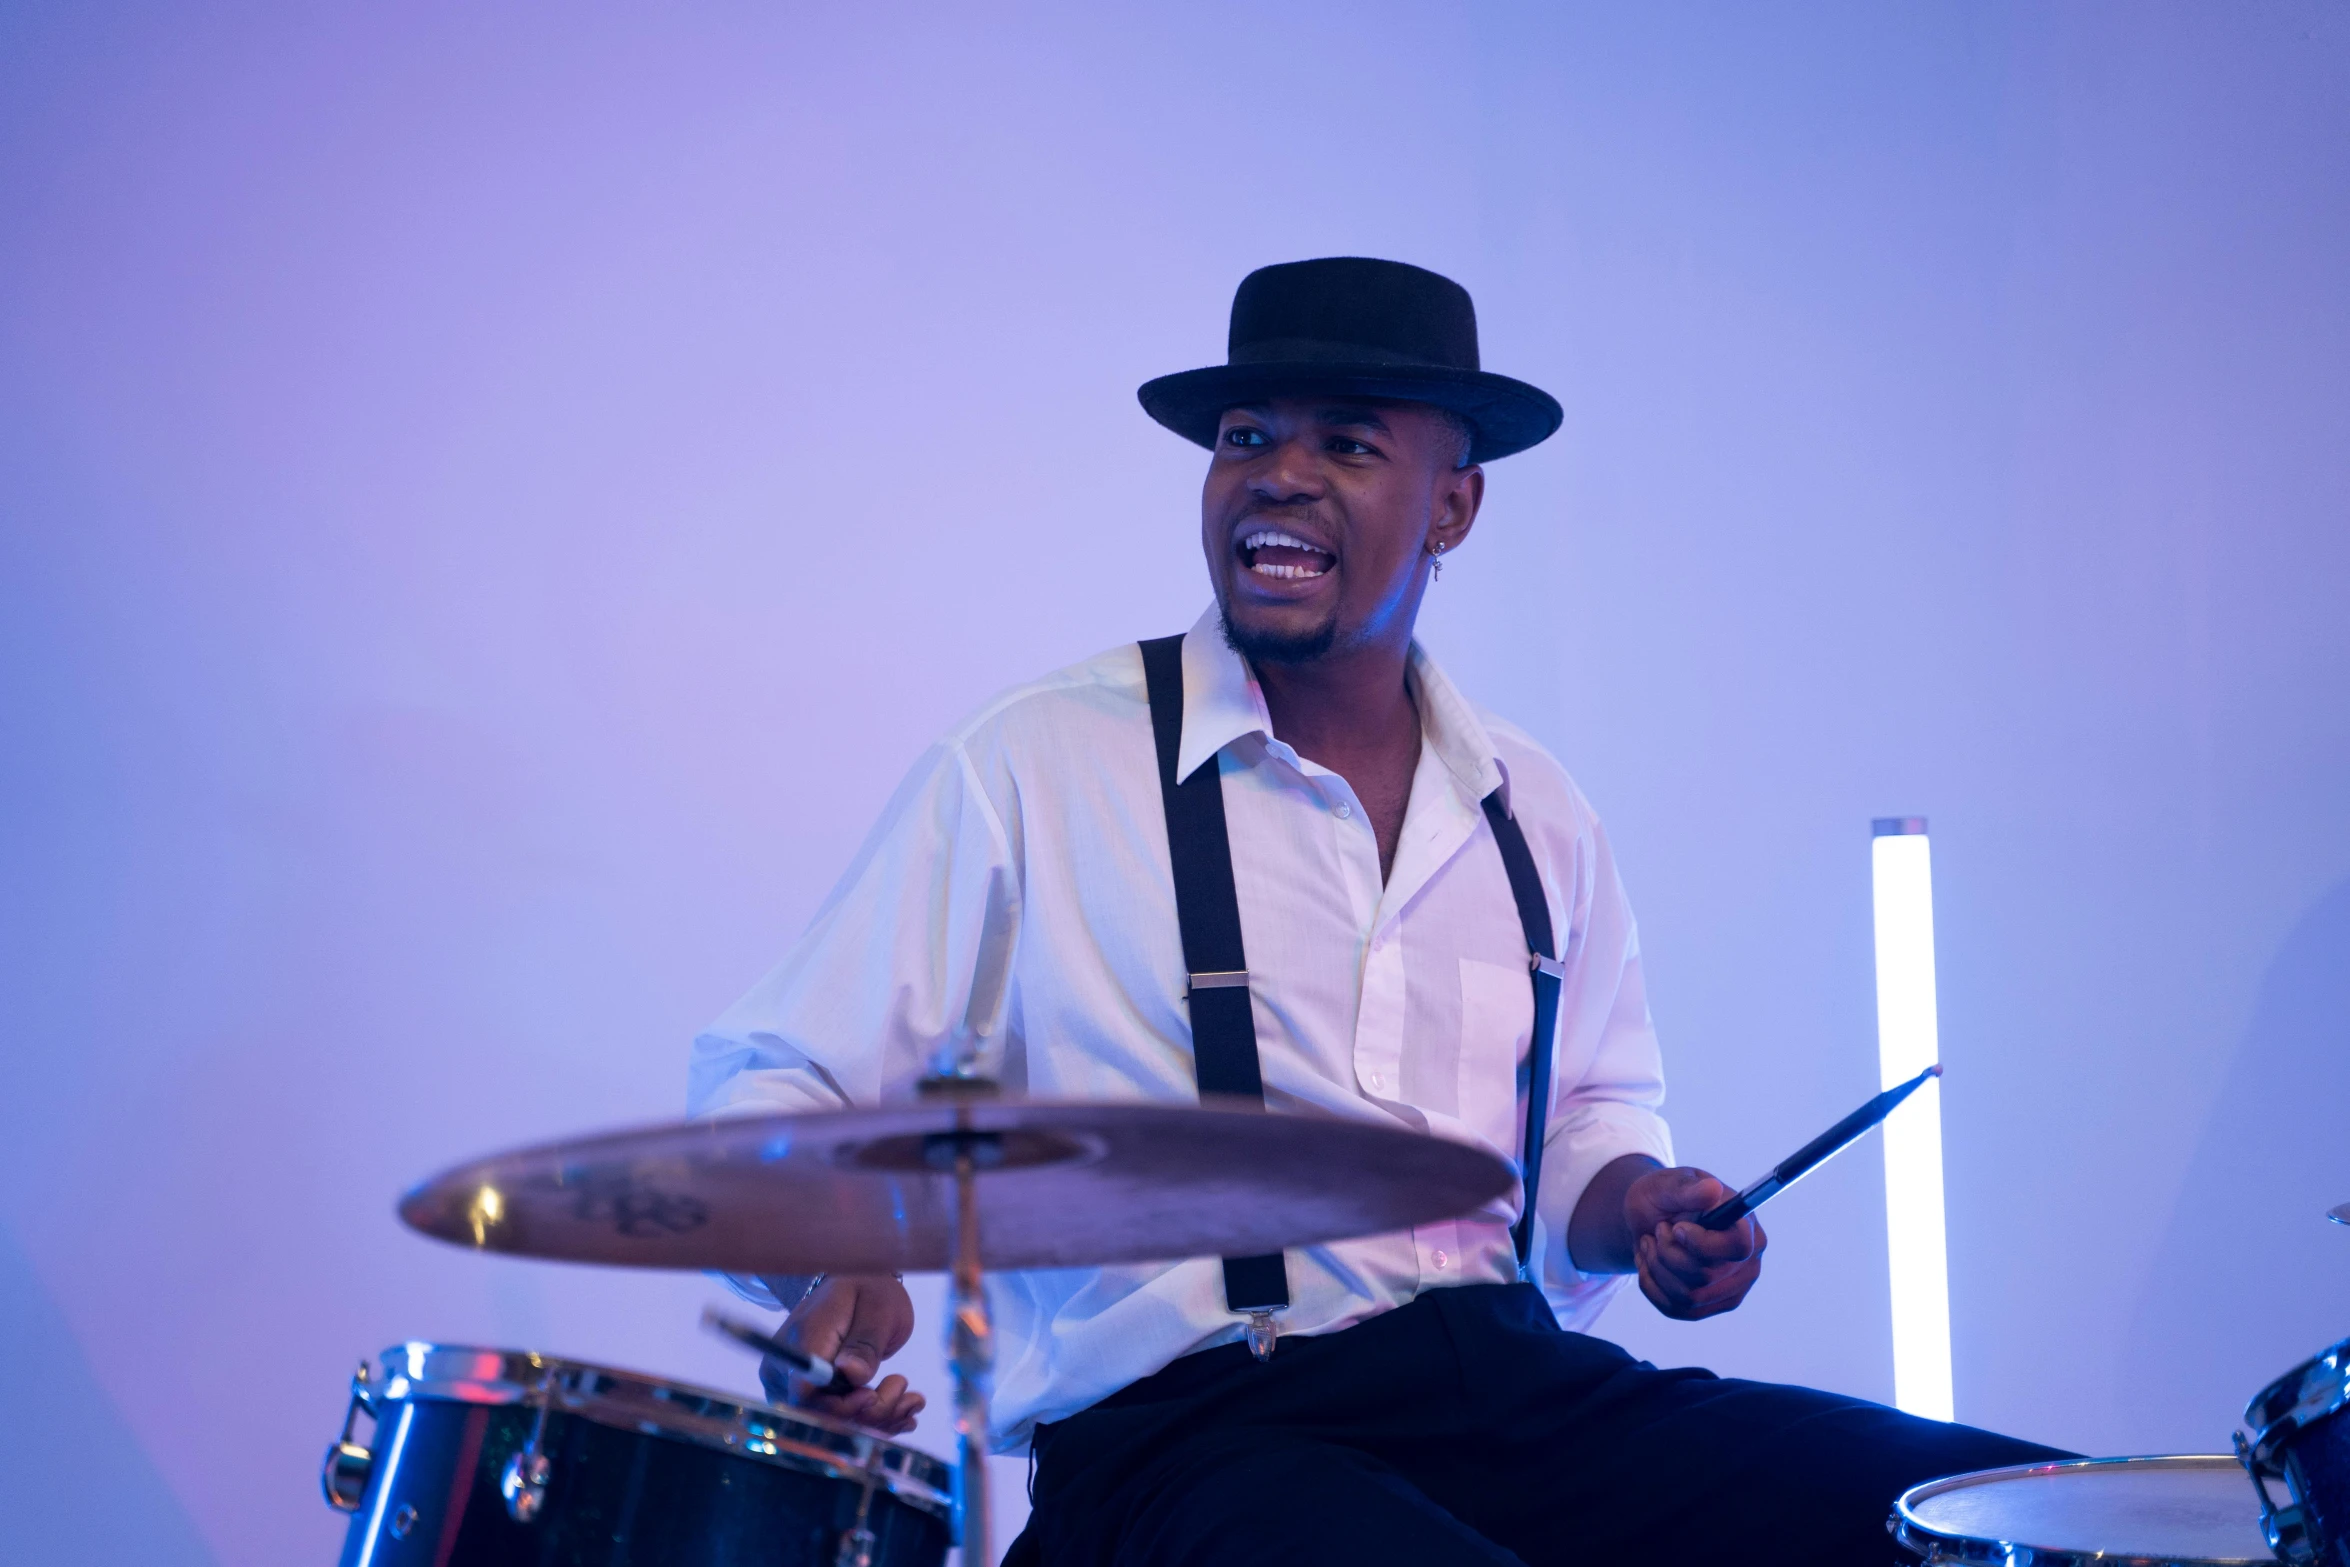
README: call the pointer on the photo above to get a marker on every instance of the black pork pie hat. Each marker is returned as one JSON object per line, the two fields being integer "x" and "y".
{"x": 1353, "y": 325}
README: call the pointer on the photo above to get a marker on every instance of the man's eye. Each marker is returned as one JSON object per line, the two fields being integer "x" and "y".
{"x": 1244, "y": 437}
{"x": 1346, "y": 447}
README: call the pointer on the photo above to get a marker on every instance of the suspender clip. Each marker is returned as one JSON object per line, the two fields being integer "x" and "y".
{"x": 1225, "y": 979}
{"x": 1542, "y": 965}
{"x": 1261, "y": 1332}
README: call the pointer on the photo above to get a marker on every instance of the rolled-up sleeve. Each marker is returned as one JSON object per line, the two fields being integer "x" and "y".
{"x": 1609, "y": 1078}
{"x": 907, "y": 964}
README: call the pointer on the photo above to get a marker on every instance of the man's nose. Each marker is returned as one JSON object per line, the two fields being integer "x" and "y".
{"x": 1291, "y": 472}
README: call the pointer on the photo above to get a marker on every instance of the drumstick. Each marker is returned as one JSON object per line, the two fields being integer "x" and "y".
{"x": 814, "y": 1367}
{"x": 1813, "y": 1154}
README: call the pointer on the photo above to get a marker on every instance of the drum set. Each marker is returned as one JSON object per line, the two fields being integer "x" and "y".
{"x": 493, "y": 1458}
{"x": 478, "y": 1457}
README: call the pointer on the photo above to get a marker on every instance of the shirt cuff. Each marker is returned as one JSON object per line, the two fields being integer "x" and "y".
{"x": 751, "y": 1288}
{"x": 1582, "y": 1142}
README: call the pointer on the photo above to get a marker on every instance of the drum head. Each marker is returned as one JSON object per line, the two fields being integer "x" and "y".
{"x": 2113, "y": 1512}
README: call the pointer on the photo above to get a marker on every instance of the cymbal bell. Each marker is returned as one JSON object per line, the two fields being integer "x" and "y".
{"x": 1061, "y": 1184}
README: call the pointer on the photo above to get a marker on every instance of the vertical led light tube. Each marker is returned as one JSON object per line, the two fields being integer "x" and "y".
{"x": 1907, "y": 1043}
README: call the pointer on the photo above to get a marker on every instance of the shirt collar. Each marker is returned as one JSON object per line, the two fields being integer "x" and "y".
{"x": 1222, "y": 702}
{"x": 1450, "y": 727}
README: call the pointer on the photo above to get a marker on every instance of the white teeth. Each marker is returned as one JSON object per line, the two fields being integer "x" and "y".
{"x": 1265, "y": 536}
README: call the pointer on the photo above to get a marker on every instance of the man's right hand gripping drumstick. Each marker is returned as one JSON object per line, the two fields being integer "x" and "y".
{"x": 856, "y": 1321}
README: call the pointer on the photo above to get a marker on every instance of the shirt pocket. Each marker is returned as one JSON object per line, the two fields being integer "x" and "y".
{"x": 1497, "y": 1018}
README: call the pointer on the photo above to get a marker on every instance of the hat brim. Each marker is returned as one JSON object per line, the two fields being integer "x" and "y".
{"x": 1508, "y": 416}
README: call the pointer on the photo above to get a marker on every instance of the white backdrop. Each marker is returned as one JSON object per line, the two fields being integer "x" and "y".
{"x": 493, "y": 500}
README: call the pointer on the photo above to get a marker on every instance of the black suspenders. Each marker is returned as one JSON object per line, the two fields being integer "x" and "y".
{"x": 1549, "y": 973}
{"x": 1223, "y": 1023}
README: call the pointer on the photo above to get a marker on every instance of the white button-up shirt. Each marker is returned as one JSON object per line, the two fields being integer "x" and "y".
{"x": 1016, "y": 905}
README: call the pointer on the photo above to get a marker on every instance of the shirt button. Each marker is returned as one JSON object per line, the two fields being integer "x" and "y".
{"x": 1441, "y": 1259}
{"x": 1345, "y": 811}
{"x": 1377, "y": 1081}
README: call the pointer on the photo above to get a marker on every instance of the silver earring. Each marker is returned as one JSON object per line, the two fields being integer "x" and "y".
{"x": 1437, "y": 551}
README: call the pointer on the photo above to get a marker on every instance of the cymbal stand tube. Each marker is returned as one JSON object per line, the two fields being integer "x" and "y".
{"x": 971, "y": 1351}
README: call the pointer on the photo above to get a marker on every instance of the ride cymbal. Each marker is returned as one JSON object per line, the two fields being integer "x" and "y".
{"x": 1063, "y": 1184}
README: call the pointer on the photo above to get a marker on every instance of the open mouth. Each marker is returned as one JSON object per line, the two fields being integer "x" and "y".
{"x": 1269, "y": 552}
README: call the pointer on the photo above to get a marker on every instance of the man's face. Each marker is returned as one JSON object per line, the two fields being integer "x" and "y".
{"x": 1317, "y": 519}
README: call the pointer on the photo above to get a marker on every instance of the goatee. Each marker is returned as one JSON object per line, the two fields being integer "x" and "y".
{"x": 1265, "y": 647}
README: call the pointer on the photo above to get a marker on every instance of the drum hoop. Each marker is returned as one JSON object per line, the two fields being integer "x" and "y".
{"x": 797, "y": 1439}
{"x": 1934, "y": 1545}
{"x": 2311, "y": 1391}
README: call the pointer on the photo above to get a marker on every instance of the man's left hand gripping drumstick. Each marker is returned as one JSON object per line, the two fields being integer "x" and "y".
{"x": 1687, "y": 1271}
{"x": 1638, "y": 1217}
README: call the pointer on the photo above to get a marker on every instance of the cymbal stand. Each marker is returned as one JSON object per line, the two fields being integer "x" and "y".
{"x": 970, "y": 1332}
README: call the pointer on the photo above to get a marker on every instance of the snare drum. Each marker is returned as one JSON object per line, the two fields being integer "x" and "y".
{"x": 2301, "y": 1436}
{"x": 2095, "y": 1512}
{"x": 496, "y": 1458}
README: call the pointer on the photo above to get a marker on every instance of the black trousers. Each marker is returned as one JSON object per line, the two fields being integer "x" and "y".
{"x": 1467, "y": 1427}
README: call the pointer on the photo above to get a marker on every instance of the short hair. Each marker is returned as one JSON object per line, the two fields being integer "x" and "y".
{"x": 1460, "y": 426}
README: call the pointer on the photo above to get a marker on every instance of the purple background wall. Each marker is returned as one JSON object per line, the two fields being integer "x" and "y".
{"x": 493, "y": 500}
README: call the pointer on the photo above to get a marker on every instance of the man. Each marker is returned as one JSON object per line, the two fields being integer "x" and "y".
{"x": 1016, "y": 912}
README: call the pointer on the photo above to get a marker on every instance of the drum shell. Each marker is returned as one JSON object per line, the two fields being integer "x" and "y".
{"x": 614, "y": 1498}
{"x": 2301, "y": 1432}
{"x": 2316, "y": 1462}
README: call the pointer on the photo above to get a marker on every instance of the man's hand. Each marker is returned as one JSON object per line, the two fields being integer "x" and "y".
{"x": 856, "y": 1322}
{"x": 1685, "y": 1271}
{"x": 1638, "y": 1216}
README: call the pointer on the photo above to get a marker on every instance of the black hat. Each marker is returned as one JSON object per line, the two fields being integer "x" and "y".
{"x": 1352, "y": 324}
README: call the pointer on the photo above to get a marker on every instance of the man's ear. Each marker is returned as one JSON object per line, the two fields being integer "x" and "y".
{"x": 1458, "y": 496}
